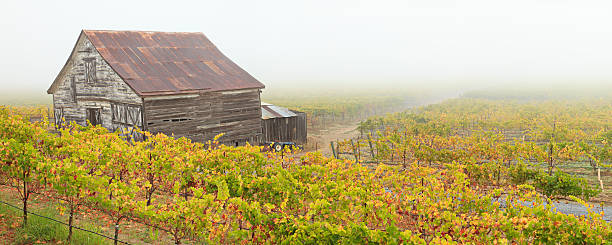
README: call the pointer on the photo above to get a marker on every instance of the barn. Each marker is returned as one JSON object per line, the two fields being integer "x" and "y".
{"x": 280, "y": 124}
{"x": 176, "y": 83}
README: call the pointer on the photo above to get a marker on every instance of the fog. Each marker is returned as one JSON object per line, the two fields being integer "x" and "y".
{"x": 309, "y": 45}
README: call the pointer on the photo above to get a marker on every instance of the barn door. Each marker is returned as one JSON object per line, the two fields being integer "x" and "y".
{"x": 93, "y": 116}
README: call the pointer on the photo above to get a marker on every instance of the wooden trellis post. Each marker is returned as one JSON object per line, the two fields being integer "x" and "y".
{"x": 404, "y": 146}
{"x": 331, "y": 145}
{"x": 358, "y": 151}
{"x": 371, "y": 148}
{"x": 337, "y": 149}
{"x": 354, "y": 151}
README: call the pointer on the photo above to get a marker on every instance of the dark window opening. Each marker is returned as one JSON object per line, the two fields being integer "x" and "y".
{"x": 177, "y": 120}
{"x": 243, "y": 110}
{"x": 93, "y": 116}
{"x": 249, "y": 110}
{"x": 234, "y": 120}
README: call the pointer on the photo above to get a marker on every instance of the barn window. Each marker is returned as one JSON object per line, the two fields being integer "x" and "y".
{"x": 90, "y": 70}
{"x": 177, "y": 120}
{"x": 93, "y": 116}
{"x": 234, "y": 120}
{"x": 127, "y": 115}
{"x": 126, "y": 119}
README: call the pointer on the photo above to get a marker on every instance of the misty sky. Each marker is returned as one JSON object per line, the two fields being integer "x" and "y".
{"x": 283, "y": 43}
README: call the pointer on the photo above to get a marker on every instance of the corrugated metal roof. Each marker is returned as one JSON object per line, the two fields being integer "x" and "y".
{"x": 156, "y": 63}
{"x": 271, "y": 111}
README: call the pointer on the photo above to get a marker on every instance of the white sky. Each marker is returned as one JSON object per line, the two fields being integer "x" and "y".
{"x": 319, "y": 42}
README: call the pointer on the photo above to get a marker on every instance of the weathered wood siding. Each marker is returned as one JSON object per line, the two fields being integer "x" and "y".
{"x": 301, "y": 136}
{"x": 200, "y": 117}
{"x": 285, "y": 129}
{"x": 74, "y": 94}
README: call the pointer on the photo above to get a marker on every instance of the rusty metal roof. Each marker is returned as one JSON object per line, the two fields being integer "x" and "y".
{"x": 158, "y": 63}
{"x": 271, "y": 111}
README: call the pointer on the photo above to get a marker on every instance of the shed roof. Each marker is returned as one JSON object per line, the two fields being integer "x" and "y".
{"x": 160, "y": 63}
{"x": 271, "y": 111}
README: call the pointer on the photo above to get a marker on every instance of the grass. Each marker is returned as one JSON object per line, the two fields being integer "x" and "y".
{"x": 47, "y": 231}
{"x": 41, "y": 230}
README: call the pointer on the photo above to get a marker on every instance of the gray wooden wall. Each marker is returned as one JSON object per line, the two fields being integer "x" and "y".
{"x": 201, "y": 117}
{"x": 285, "y": 129}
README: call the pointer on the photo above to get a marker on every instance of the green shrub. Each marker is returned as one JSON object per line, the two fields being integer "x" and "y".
{"x": 564, "y": 184}
{"x": 558, "y": 184}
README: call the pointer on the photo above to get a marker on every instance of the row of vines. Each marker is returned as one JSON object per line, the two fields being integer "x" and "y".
{"x": 210, "y": 193}
{"x": 499, "y": 142}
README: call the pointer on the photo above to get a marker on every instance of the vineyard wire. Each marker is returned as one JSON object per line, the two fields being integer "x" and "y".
{"x": 61, "y": 222}
{"x": 130, "y": 218}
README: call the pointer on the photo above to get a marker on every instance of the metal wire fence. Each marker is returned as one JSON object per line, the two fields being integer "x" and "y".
{"x": 66, "y": 224}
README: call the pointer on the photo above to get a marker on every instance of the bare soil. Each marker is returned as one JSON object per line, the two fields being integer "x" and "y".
{"x": 319, "y": 139}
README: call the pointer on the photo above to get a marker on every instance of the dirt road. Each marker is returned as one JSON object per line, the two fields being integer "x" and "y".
{"x": 319, "y": 139}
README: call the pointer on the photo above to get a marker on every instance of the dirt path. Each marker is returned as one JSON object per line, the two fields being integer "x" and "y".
{"x": 335, "y": 132}
{"x": 319, "y": 139}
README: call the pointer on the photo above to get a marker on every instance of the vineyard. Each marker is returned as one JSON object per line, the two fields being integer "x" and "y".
{"x": 464, "y": 171}
{"x": 500, "y": 142}
{"x": 32, "y": 112}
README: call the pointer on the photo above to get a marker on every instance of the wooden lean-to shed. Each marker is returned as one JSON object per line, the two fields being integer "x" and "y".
{"x": 176, "y": 83}
{"x": 280, "y": 124}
